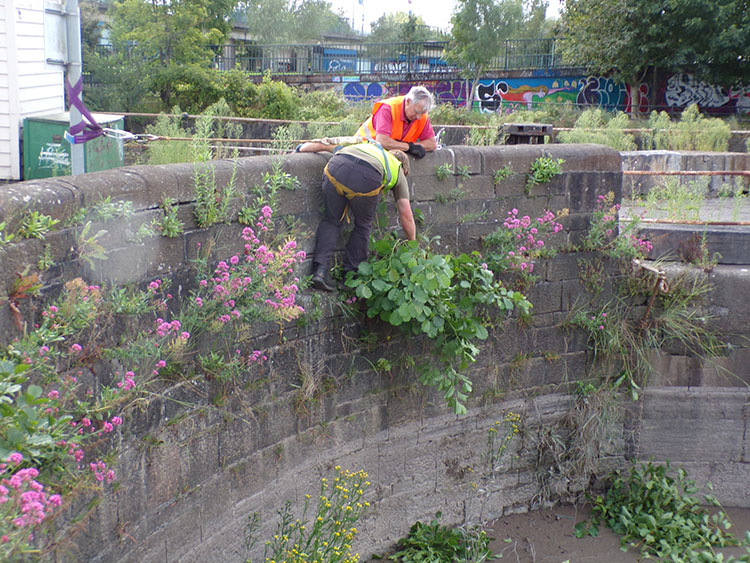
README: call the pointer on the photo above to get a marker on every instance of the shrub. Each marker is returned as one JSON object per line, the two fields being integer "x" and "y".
{"x": 444, "y": 297}
{"x": 322, "y": 105}
{"x": 239, "y": 92}
{"x": 594, "y": 126}
{"x": 189, "y": 86}
{"x": 275, "y": 100}
{"x": 440, "y": 544}
{"x": 661, "y": 515}
{"x": 694, "y": 132}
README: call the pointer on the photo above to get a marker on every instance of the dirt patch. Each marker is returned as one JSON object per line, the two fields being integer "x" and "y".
{"x": 547, "y": 536}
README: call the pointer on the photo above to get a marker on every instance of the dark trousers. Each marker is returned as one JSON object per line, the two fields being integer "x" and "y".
{"x": 358, "y": 176}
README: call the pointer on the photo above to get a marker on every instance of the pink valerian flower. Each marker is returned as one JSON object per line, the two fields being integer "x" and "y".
{"x": 76, "y": 349}
{"x": 257, "y": 357}
{"x": 128, "y": 383}
{"x": 28, "y": 497}
{"x": 101, "y": 473}
{"x": 15, "y": 457}
{"x": 527, "y": 232}
{"x": 154, "y": 286}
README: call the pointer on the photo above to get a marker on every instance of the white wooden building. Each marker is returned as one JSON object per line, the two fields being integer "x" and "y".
{"x": 29, "y": 85}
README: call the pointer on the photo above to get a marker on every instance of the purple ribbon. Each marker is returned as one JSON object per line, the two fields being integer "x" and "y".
{"x": 81, "y": 132}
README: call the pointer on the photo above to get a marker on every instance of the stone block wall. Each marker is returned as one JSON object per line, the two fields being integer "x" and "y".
{"x": 198, "y": 458}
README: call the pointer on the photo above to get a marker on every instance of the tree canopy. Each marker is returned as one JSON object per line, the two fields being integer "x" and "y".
{"x": 280, "y": 21}
{"x": 625, "y": 37}
{"x": 171, "y": 30}
{"x": 397, "y": 27}
{"x": 479, "y": 29}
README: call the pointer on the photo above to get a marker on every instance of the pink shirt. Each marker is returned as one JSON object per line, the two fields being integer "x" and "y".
{"x": 383, "y": 123}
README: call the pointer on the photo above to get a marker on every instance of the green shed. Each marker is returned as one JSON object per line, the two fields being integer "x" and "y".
{"x": 46, "y": 153}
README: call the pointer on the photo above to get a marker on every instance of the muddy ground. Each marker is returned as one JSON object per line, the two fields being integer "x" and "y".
{"x": 547, "y": 537}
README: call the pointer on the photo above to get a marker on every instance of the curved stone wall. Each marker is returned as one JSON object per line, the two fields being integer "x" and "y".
{"x": 198, "y": 458}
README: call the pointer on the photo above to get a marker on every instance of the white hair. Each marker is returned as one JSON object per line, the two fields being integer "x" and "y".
{"x": 421, "y": 95}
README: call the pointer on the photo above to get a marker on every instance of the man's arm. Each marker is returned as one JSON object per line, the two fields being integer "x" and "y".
{"x": 407, "y": 218}
{"x": 429, "y": 144}
{"x": 315, "y": 146}
{"x": 388, "y": 143}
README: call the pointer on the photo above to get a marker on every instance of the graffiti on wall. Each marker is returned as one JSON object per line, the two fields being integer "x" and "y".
{"x": 445, "y": 91}
{"x": 512, "y": 94}
{"x": 681, "y": 90}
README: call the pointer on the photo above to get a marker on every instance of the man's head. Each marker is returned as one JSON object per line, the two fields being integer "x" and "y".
{"x": 403, "y": 159}
{"x": 417, "y": 102}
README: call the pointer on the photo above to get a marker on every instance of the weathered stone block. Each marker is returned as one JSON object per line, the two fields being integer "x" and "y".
{"x": 685, "y": 424}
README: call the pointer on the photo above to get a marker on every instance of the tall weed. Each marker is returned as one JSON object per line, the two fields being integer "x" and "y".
{"x": 594, "y": 126}
{"x": 693, "y": 132}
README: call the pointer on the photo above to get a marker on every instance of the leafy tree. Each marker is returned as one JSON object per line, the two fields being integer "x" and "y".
{"x": 164, "y": 34}
{"x": 398, "y": 27}
{"x": 279, "y": 21}
{"x": 535, "y": 23}
{"x": 624, "y": 38}
{"x": 479, "y": 29}
{"x": 313, "y": 18}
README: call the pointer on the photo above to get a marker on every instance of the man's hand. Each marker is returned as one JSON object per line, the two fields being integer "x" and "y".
{"x": 416, "y": 150}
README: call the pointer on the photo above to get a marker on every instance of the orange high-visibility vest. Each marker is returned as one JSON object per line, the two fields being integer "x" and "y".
{"x": 397, "y": 113}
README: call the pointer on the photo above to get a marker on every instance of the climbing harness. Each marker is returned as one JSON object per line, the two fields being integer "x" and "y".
{"x": 349, "y": 194}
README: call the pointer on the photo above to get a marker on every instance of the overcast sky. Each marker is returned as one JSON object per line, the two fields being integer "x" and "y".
{"x": 436, "y": 13}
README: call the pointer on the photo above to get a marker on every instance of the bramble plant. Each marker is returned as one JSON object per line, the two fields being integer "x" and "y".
{"x": 324, "y": 536}
{"x": 444, "y": 297}
{"x": 661, "y": 516}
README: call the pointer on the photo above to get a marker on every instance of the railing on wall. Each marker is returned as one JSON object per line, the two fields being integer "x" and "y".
{"x": 357, "y": 59}
{"x": 426, "y": 57}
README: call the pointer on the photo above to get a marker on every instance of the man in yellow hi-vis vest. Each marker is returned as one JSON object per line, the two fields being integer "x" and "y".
{"x": 402, "y": 123}
{"x": 353, "y": 180}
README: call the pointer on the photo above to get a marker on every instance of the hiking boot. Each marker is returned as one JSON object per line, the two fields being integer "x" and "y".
{"x": 321, "y": 280}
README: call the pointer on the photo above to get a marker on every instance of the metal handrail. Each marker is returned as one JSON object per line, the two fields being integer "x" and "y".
{"x": 357, "y": 58}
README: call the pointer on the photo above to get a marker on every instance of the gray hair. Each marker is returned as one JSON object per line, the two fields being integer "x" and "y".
{"x": 421, "y": 95}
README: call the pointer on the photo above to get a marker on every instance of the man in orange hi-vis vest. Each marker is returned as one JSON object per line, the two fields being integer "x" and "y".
{"x": 402, "y": 123}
